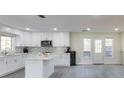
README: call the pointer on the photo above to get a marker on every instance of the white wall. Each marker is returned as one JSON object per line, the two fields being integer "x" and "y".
{"x": 122, "y": 45}
{"x": 76, "y": 41}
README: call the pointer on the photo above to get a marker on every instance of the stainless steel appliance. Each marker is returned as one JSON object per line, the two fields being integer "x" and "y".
{"x": 46, "y": 43}
{"x": 72, "y": 56}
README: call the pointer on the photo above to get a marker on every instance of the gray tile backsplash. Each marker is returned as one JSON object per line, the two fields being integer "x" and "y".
{"x": 42, "y": 49}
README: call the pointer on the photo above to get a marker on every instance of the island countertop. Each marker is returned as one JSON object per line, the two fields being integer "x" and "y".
{"x": 47, "y": 58}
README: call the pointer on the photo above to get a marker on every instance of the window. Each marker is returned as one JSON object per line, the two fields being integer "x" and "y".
{"x": 108, "y": 47}
{"x": 6, "y": 43}
{"x": 87, "y": 47}
{"x": 98, "y": 46}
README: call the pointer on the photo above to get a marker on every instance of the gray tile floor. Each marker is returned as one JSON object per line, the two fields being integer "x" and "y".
{"x": 81, "y": 71}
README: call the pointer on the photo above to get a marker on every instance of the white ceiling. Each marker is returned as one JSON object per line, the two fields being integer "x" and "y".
{"x": 71, "y": 23}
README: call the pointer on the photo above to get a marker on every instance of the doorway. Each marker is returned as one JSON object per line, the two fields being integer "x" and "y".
{"x": 97, "y": 57}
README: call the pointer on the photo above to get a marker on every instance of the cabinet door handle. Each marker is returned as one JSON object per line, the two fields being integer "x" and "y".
{"x": 6, "y": 62}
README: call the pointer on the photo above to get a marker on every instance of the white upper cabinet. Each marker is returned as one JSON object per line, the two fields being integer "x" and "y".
{"x": 20, "y": 39}
{"x": 24, "y": 39}
{"x": 60, "y": 39}
{"x": 49, "y": 35}
{"x": 43, "y": 36}
{"x": 56, "y": 39}
{"x": 67, "y": 38}
{"x": 36, "y": 39}
{"x": 27, "y": 39}
{"x": 46, "y": 36}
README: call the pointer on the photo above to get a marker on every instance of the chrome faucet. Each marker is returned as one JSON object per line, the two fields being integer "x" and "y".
{"x": 5, "y": 52}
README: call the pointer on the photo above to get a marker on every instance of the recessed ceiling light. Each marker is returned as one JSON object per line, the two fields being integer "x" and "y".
{"x": 116, "y": 29}
{"x": 27, "y": 28}
{"x": 88, "y": 29}
{"x": 7, "y": 29}
{"x": 55, "y": 29}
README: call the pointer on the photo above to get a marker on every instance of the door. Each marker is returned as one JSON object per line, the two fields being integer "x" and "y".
{"x": 87, "y": 53}
{"x": 98, "y": 52}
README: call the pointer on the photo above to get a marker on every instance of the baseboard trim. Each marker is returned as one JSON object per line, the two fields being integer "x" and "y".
{"x": 100, "y": 63}
{"x": 12, "y": 71}
{"x": 84, "y": 63}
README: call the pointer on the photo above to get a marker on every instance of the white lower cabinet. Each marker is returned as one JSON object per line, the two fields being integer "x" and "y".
{"x": 19, "y": 62}
{"x": 3, "y": 66}
{"x": 67, "y": 59}
{"x": 10, "y": 64}
{"x": 62, "y": 60}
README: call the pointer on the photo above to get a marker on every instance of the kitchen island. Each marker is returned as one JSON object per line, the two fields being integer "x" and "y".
{"x": 39, "y": 67}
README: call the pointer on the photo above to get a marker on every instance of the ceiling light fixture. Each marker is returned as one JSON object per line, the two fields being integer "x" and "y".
{"x": 7, "y": 29}
{"x": 116, "y": 29}
{"x": 88, "y": 29}
{"x": 55, "y": 29}
{"x": 27, "y": 28}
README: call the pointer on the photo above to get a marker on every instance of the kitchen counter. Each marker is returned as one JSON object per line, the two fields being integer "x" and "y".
{"x": 11, "y": 55}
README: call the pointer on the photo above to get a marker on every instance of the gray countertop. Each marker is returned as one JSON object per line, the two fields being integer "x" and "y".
{"x": 16, "y": 54}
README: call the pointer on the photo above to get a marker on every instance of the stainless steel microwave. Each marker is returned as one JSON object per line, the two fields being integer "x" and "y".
{"x": 46, "y": 43}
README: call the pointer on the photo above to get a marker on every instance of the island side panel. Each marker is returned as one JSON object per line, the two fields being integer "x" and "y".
{"x": 33, "y": 69}
{"x": 48, "y": 68}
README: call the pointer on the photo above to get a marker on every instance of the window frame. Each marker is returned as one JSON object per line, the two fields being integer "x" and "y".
{"x": 1, "y": 42}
